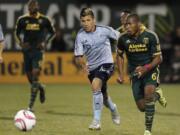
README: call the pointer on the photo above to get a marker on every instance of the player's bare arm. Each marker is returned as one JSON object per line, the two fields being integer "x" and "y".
{"x": 120, "y": 65}
{"x": 80, "y": 61}
{"x": 1, "y": 50}
{"x": 142, "y": 70}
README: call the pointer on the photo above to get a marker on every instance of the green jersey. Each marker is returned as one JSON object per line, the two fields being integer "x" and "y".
{"x": 121, "y": 29}
{"x": 139, "y": 50}
{"x": 34, "y": 30}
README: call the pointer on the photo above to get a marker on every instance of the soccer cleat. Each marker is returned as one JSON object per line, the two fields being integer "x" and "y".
{"x": 95, "y": 125}
{"x": 147, "y": 132}
{"x": 115, "y": 116}
{"x": 42, "y": 97}
{"x": 162, "y": 99}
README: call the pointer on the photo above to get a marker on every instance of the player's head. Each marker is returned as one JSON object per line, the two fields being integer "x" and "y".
{"x": 33, "y": 6}
{"x": 123, "y": 16}
{"x": 87, "y": 19}
{"x": 133, "y": 24}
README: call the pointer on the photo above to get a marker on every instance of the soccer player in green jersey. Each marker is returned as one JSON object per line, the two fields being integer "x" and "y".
{"x": 123, "y": 16}
{"x": 33, "y": 31}
{"x": 143, "y": 52}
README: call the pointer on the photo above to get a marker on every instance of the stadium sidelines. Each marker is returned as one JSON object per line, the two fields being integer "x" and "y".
{"x": 57, "y": 68}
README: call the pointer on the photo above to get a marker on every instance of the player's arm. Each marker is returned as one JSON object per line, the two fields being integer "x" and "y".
{"x": 18, "y": 32}
{"x": 157, "y": 59}
{"x": 51, "y": 30}
{"x": 1, "y": 50}
{"x": 80, "y": 61}
{"x": 1, "y": 44}
{"x": 50, "y": 34}
{"x": 113, "y": 35}
{"x": 120, "y": 61}
{"x": 78, "y": 53}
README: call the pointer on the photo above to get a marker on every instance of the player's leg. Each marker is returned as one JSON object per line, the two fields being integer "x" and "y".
{"x": 160, "y": 97}
{"x": 149, "y": 91}
{"x": 34, "y": 87}
{"x": 110, "y": 105}
{"x": 151, "y": 82}
{"x": 138, "y": 93}
{"x": 29, "y": 76}
{"x": 28, "y": 70}
{"x": 159, "y": 93}
{"x": 97, "y": 103}
{"x": 41, "y": 86}
{"x": 37, "y": 65}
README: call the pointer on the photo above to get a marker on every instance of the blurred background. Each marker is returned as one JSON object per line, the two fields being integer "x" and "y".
{"x": 161, "y": 16}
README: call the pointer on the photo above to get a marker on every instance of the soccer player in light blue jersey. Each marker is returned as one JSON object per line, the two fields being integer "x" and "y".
{"x": 1, "y": 44}
{"x": 93, "y": 42}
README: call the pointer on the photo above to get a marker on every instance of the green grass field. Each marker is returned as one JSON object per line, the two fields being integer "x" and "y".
{"x": 68, "y": 111}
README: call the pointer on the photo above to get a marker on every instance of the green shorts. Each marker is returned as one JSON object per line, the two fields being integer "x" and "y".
{"x": 32, "y": 60}
{"x": 138, "y": 85}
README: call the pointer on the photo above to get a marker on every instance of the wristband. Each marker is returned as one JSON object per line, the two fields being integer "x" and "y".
{"x": 148, "y": 67}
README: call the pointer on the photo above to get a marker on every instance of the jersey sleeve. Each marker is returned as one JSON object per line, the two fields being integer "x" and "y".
{"x": 113, "y": 34}
{"x": 18, "y": 30}
{"x": 155, "y": 45}
{"x": 78, "y": 47}
{"x": 1, "y": 34}
{"x": 50, "y": 29}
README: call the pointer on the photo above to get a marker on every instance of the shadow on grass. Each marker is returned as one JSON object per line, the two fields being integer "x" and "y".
{"x": 67, "y": 113}
{"x": 168, "y": 114}
{"x": 6, "y": 118}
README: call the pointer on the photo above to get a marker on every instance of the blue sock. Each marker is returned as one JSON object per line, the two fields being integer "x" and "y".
{"x": 97, "y": 104}
{"x": 110, "y": 104}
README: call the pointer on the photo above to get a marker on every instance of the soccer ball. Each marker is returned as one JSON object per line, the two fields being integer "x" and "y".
{"x": 24, "y": 120}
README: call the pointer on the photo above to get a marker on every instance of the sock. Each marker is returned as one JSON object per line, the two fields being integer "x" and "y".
{"x": 149, "y": 115}
{"x": 97, "y": 104}
{"x": 33, "y": 97}
{"x": 34, "y": 90}
{"x": 109, "y": 104}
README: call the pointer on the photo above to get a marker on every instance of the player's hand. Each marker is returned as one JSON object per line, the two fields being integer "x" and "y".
{"x": 141, "y": 70}
{"x": 1, "y": 59}
{"x": 86, "y": 69}
{"x": 25, "y": 45}
{"x": 120, "y": 79}
{"x": 41, "y": 46}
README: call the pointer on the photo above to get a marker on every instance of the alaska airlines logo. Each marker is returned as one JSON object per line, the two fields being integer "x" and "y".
{"x": 32, "y": 26}
{"x": 137, "y": 48}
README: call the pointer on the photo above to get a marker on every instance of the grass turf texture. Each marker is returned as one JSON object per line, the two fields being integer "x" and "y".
{"x": 68, "y": 111}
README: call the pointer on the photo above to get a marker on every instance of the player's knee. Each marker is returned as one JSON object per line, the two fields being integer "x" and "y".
{"x": 36, "y": 71}
{"x": 141, "y": 108}
{"x": 96, "y": 85}
{"x": 140, "y": 105}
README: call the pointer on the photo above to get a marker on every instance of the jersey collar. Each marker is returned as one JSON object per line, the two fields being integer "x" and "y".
{"x": 37, "y": 16}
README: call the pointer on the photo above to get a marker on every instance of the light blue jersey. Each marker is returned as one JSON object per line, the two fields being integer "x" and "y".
{"x": 1, "y": 34}
{"x": 96, "y": 45}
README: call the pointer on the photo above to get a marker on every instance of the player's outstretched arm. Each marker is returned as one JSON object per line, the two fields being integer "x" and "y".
{"x": 120, "y": 65}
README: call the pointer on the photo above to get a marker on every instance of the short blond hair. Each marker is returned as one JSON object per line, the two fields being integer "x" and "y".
{"x": 86, "y": 11}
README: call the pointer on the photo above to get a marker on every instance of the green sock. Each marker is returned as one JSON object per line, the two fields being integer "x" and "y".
{"x": 34, "y": 90}
{"x": 149, "y": 115}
